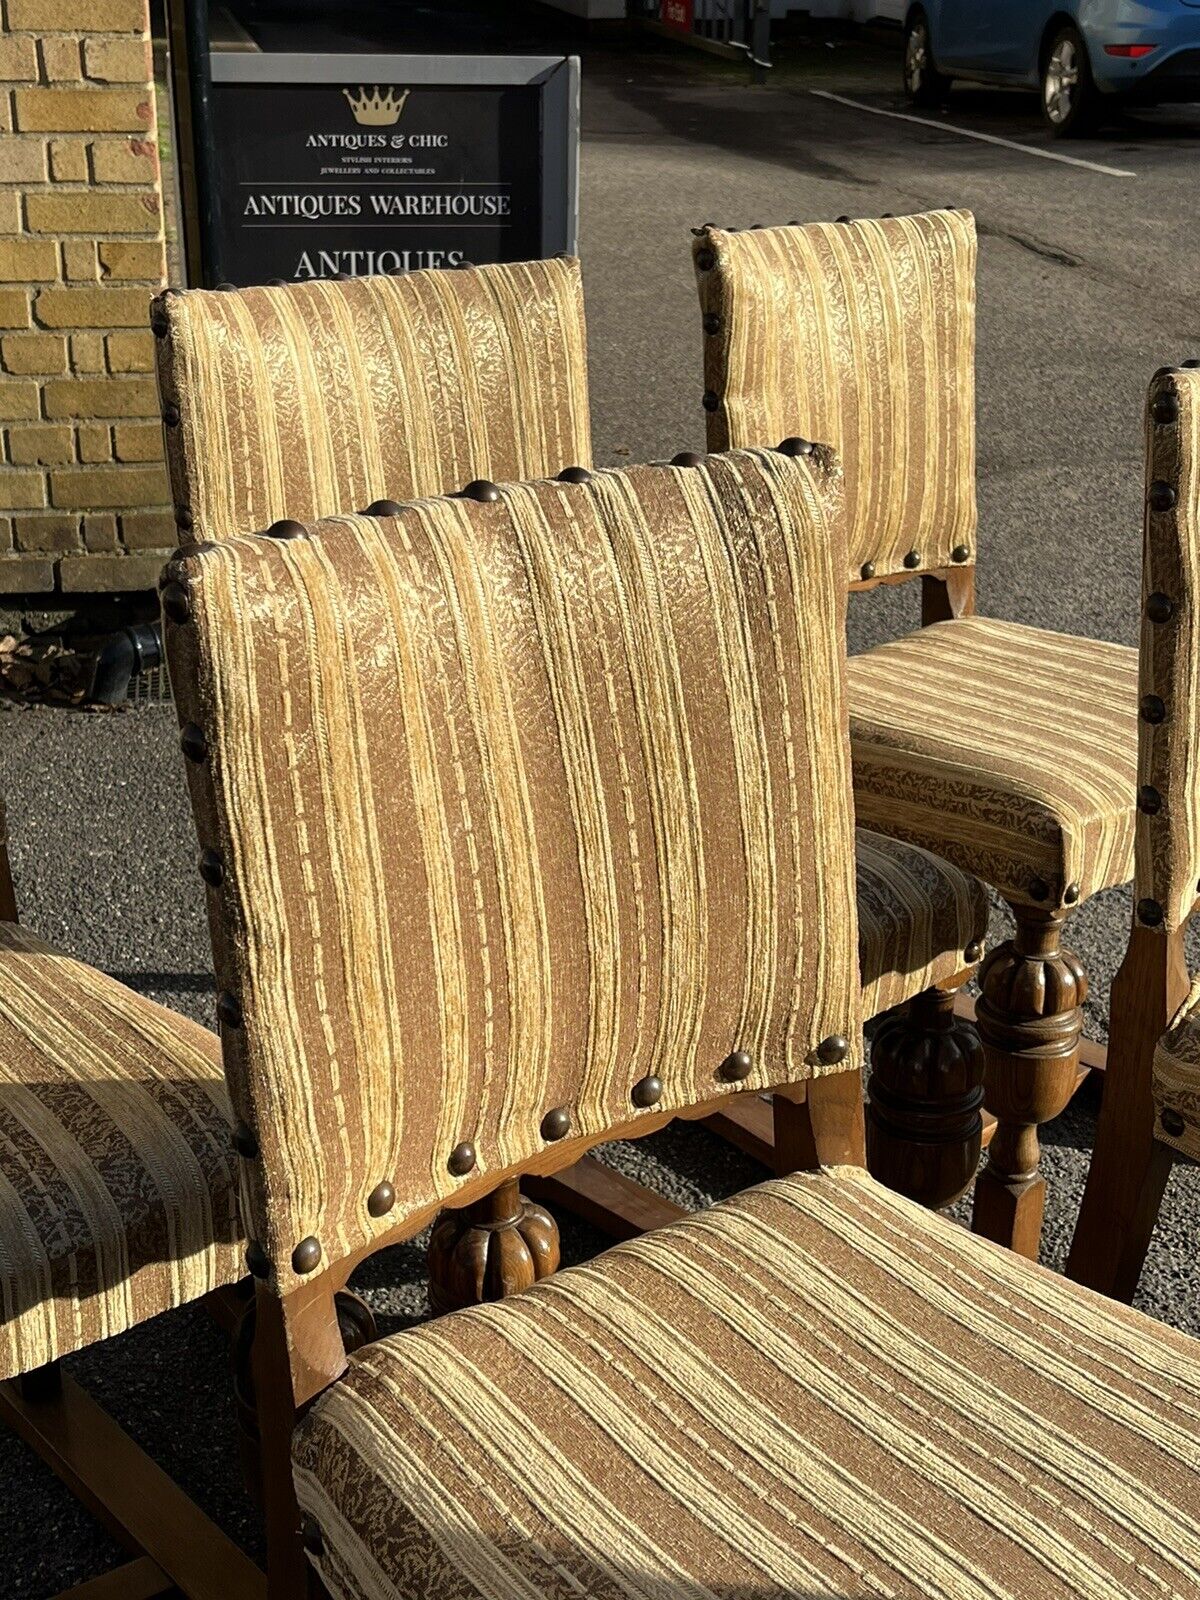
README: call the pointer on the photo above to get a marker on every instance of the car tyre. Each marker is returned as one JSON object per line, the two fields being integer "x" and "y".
{"x": 923, "y": 83}
{"x": 1070, "y": 99}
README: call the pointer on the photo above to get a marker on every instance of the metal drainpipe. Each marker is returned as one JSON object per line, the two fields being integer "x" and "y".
{"x": 134, "y": 650}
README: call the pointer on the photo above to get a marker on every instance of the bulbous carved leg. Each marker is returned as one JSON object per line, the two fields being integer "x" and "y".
{"x": 1030, "y": 1022}
{"x": 487, "y": 1251}
{"x": 924, "y": 1101}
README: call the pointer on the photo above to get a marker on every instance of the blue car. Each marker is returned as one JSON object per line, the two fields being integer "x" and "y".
{"x": 1083, "y": 55}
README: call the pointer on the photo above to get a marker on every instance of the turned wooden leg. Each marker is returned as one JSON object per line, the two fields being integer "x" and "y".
{"x": 1129, "y": 1166}
{"x": 924, "y": 1101}
{"x": 819, "y": 1124}
{"x": 487, "y": 1251}
{"x": 1030, "y": 1021}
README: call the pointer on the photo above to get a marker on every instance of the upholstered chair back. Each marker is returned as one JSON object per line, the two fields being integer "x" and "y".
{"x": 311, "y": 399}
{"x": 860, "y": 334}
{"x": 524, "y": 820}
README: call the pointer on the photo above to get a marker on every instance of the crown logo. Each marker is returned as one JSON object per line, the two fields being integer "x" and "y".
{"x": 376, "y": 110}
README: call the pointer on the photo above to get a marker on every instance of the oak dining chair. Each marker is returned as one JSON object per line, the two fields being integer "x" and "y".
{"x": 551, "y": 843}
{"x": 1007, "y": 749}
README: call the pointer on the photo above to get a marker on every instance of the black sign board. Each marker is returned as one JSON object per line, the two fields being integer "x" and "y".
{"x": 369, "y": 164}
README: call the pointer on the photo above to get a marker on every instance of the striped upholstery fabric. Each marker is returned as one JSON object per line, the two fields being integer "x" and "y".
{"x": 118, "y": 1184}
{"x": 1168, "y": 836}
{"x": 318, "y": 398}
{"x": 916, "y": 916}
{"x": 517, "y": 803}
{"x": 861, "y": 335}
{"x": 1009, "y": 750}
{"x": 1177, "y": 1080}
{"x": 816, "y": 1389}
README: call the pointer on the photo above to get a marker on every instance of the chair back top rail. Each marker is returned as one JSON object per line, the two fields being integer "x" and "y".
{"x": 861, "y": 335}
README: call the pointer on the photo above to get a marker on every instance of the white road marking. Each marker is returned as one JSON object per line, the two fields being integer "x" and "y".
{"x": 970, "y": 133}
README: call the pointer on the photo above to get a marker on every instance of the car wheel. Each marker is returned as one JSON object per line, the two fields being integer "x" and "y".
{"x": 1070, "y": 99}
{"x": 923, "y": 83}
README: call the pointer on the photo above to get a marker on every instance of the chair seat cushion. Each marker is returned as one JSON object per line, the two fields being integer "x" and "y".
{"x": 1009, "y": 750}
{"x": 1177, "y": 1080}
{"x": 118, "y": 1182}
{"x": 815, "y": 1389}
{"x": 916, "y": 916}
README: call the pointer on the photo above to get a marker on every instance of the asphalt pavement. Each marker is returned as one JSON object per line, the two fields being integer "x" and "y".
{"x": 1087, "y": 283}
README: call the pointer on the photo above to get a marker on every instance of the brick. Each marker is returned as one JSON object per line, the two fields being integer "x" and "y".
{"x": 93, "y": 308}
{"x": 117, "y": 60}
{"x": 14, "y": 308}
{"x": 18, "y": 60}
{"x": 83, "y": 111}
{"x": 100, "y": 531}
{"x": 78, "y": 16}
{"x": 131, "y": 352}
{"x": 20, "y": 575}
{"x": 68, "y": 161}
{"x": 149, "y": 530}
{"x": 6, "y": 535}
{"x": 138, "y": 441}
{"x": 26, "y": 260}
{"x": 92, "y": 212}
{"x": 45, "y": 444}
{"x": 10, "y": 212}
{"x": 101, "y": 397}
{"x": 95, "y": 443}
{"x": 60, "y": 60}
{"x": 34, "y": 352}
{"x": 22, "y": 160}
{"x": 85, "y": 488}
{"x": 120, "y": 258}
{"x": 87, "y": 352}
{"x": 5, "y": 112}
{"x": 21, "y": 490}
{"x": 79, "y": 258}
{"x": 111, "y": 574}
{"x": 124, "y": 161}
{"x": 56, "y": 533}
{"x": 18, "y": 398}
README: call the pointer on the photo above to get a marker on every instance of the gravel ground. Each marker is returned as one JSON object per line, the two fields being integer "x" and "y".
{"x": 1085, "y": 287}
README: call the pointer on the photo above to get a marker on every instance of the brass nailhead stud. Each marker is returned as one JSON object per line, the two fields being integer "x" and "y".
{"x": 159, "y": 324}
{"x": 286, "y": 528}
{"x": 647, "y": 1091}
{"x": 462, "y": 1159}
{"x": 712, "y": 322}
{"x": 1149, "y": 800}
{"x": 1149, "y": 912}
{"x": 481, "y": 489}
{"x": 706, "y": 260}
{"x": 227, "y": 288}
{"x": 1162, "y": 496}
{"x": 1194, "y": 362}
{"x": 229, "y": 1011}
{"x": 276, "y": 283}
{"x": 175, "y": 603}
{"x": 1166, "y": 410}
{"x": 795, "y": 447}
{"x": 381, "y": 1199}
{"x": 1164, "y": 372}
{"x": 736, "y": 1066}
{"x": 183, "y": 519}
{"x": 843, "y": 219}
{"x": 257, "y": 1264}
{"x": 311, "y": 1536}
{"x": 912, "y": 559}
{"x": 687, "y": 458}
{"x": 974, "y": 951}
{"x": 244, "y": 1142}
{"x": 1071, "y": 894}
{"x": 171, "y": 415}
{"x": 867, "y": 569}
{"x": 306, "y": 1257}
{"x": 1152, "y": 708}
{"x": 193, "y": 743}
{"x": 1039, "y": 888}
{"x": 1172, "y": 1123}
{"x": 383, "y": 508}
{"x": 710, "y": 401}
{"x": 574, "y": 475}
{"x": 212, "y": 868}
{"x": 961, "y": 552}
{"x": 556, "y": 1124}
{"x": 1159, "y": 607}
{"x": 832, "y": 1050}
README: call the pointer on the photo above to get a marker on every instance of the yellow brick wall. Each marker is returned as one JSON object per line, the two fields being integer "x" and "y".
{"x": 83, "y": 491}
